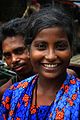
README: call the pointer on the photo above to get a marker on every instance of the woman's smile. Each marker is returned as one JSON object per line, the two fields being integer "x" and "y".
{"x": 50, "y": 52}
{"x": 49, "y": 66}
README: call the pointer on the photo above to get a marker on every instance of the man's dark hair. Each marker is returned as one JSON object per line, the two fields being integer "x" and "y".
{"x": 12, "y": 28}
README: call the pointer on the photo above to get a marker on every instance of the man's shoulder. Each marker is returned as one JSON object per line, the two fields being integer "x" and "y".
{"x": 18, "y": 88}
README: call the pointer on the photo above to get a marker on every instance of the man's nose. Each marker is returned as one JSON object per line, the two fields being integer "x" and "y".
{"x": 15, "y": 58}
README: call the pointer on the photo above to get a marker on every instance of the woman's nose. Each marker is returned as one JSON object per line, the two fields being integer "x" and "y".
{"x": 51, "y": 55}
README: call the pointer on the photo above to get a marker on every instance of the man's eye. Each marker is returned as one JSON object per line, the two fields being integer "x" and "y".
{"x": 7, "y": 55}
{"x": 19, "y": 51}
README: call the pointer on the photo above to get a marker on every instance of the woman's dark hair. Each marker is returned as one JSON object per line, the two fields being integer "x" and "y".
{"x": 49, "y": 17}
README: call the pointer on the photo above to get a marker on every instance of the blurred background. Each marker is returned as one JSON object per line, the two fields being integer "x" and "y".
{"x": 10, "y": 9}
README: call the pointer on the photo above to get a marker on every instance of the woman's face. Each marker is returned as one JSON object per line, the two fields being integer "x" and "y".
{"x": 50, "y": 53}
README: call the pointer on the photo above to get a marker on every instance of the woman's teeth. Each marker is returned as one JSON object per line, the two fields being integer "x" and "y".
{"x": 50, "y": 65}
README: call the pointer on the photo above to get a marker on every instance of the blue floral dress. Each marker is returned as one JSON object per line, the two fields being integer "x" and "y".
{"x": 17, "y": 102}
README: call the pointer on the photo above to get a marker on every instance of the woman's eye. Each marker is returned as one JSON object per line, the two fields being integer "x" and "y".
{"x": 41, "y": 46}
{"x": 61, "y": 46}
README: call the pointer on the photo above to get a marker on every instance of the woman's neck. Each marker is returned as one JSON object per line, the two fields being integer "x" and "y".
{"x": 50, "y": 85}
{"x": 45, "y": 91}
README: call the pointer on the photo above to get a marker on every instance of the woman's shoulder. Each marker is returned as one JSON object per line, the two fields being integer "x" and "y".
{"x": 73, "y": 82}
{"x": 75, "y": 78}
{"x": 22, "y": 84}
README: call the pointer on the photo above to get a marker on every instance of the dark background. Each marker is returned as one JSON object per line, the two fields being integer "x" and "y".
{"x": 11, "y": 9}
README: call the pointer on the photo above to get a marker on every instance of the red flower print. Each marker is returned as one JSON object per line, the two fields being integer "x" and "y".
{"x": 7, "y": 99}
{"x": 11, "y": 112}
{"x": 6, "y": 103}
{"x": 33, "y": 109}
{"x": 25, "y": 98}
{"x": 17, "y": 118}
{"x": 74, "y": 96}
{"x": 18, "y": 105}
{"x": 59, "y": 115}
{"x": 66, "y": 88}
{"x": 73, "y": 81}
{"x": 25, "y": 84}
{"x": 70, "y": 102}
{"x": 7, "y": 106}
{"x": 19, "y": 85}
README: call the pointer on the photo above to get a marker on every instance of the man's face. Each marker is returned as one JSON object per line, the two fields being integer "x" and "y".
{"x": 16, "y": 55}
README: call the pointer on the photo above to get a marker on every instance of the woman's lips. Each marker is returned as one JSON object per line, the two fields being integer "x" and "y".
{"x": 51, "y": 67}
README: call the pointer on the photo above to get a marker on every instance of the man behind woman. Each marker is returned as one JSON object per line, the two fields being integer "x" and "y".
{"x": 15, "y": 51}
{"x": 52, "y": 94}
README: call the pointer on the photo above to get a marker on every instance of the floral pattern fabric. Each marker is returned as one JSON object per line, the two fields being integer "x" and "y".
{"x": 16, "y": 102}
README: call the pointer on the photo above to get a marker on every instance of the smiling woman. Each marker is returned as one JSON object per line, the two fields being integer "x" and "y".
{"x": 50, "y": 52}
{"x": 51, "y": 94}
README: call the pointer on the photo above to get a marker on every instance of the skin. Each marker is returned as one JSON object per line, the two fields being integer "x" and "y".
{"x": 16, "y": 55}
{"x": 17, "y": 58}
{"x": 50, "y": 55}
